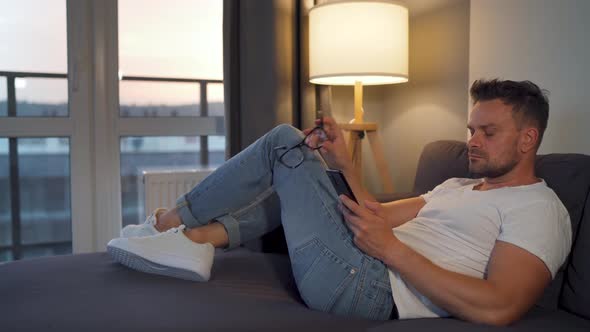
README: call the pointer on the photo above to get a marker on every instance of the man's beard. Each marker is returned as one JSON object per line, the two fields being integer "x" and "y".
{"x": 492, "y": 170}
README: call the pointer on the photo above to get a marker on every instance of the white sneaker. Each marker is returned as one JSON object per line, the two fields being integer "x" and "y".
{"x": 168, "y": 253}
{"x": 147, "y": 228}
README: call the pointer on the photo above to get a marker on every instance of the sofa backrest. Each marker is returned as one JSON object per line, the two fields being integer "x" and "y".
{"x": 569, "y": 176}
{"x": 439, "y": 161}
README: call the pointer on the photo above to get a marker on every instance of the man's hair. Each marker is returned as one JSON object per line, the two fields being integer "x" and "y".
{"x": 529, "y": 103}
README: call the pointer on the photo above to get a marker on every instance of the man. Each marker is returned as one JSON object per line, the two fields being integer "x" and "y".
{"x": 479, "y": 249}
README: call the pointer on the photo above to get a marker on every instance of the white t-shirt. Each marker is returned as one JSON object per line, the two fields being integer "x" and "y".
{"x": 458, "y": 228}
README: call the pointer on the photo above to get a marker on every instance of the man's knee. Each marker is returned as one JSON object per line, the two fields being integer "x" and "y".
{"x": 287, "y": 132}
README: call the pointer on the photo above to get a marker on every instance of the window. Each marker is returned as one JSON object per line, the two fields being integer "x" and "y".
{"x": 35, "y": 217}
{"x": 145, "y": 153}
{"x": 62, "y": 113}
{"x": 38, "y": 181}
{"x": 44, "y": 97}
{"x": 170, "y": 66}
{"x": 159, "y": 99}
{"x": 44, "y": 182}
{"x": 5, "y": 219}
{"x": 3, "y": 97}
{"x": 33, "y": 36}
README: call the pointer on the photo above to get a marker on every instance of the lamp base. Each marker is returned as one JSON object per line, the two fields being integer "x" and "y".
{"x": 356, "y": 132}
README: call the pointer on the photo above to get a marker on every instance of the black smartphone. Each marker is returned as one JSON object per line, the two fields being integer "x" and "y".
{"x": 340, "y": 184}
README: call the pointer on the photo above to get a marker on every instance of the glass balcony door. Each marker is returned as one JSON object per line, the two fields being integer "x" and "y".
{"x": 80, "y": 156}
{"x": 35, "y": 131}
{"x": 170, "y": 70}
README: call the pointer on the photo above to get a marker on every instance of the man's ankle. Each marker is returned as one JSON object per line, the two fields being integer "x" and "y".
{"x": 167, "y": 220}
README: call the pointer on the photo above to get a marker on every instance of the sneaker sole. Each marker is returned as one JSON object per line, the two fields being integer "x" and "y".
{"x": 139, "y": 263}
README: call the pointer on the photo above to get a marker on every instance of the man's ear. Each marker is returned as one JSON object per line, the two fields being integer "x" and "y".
{"x": 530, "y": 138}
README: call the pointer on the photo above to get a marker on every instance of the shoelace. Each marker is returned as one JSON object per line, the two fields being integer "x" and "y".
{"x": 151, "y": 220}
{"x": 176, "y": 229}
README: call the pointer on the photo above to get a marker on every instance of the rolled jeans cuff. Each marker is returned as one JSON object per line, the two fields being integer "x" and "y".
{"x": 232, "y": 228}
{"x": 183, "y": 209}
{"x": 230, "y": 223}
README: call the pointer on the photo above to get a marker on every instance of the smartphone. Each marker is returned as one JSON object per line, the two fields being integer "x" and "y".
{"x": 340, "y": 184}
{"x": 320, "y": 116}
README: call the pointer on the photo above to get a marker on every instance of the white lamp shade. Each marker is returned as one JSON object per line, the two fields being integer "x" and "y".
{"x": 364, "y": 41}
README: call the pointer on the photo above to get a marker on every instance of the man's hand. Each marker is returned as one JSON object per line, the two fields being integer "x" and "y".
{"x": 372, "y": 232}
{"x": 336, "y": 155}
{"x": 334, "y": 147}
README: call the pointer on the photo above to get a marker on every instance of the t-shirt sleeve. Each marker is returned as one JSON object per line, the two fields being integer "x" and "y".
{"x": 542, "y": 228}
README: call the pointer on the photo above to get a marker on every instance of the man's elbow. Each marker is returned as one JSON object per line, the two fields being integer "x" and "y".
{"x": 500, "y": 318}
{"x": 499, "y": 321}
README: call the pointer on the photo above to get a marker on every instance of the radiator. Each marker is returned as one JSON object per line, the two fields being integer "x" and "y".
{"x": 162, "y": 188}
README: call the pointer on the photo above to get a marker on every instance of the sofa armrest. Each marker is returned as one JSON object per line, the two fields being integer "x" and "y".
{"x": 383, "y": 198}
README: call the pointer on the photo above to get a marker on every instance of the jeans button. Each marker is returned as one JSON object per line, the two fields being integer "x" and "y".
{"x": 352, "y": 271}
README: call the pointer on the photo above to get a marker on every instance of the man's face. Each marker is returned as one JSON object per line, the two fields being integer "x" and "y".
{"x": 493, "y": 145}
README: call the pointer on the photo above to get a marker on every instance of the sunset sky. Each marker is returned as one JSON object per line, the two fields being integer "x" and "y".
{"x": 171, "y": 38}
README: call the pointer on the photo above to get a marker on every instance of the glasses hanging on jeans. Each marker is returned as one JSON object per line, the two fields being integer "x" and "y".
{"x": 294, "y": 156}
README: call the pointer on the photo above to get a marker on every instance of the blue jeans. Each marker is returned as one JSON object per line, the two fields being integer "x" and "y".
{"x": 253, "y": 193}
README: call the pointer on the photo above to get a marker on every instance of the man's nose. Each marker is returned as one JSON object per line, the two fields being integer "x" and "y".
{"x": 474, "y": 141}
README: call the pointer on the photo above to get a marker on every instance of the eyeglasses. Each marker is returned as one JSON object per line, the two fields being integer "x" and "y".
{"x": 294, "y": 156}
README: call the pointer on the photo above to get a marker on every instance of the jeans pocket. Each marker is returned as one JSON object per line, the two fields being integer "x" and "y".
{"x": 381, "y": 295}
{"x": 321, "y": 275}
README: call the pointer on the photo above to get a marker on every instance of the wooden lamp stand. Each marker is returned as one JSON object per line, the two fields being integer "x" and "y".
{"x": 356, "y": 131}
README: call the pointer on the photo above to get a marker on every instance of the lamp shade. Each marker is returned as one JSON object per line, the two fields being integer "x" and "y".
{"x": 364, "y": 41}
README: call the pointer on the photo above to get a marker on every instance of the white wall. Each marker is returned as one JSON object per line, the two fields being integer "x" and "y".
{"x": 545, "y": 41}
{"x": 431, "y": 106}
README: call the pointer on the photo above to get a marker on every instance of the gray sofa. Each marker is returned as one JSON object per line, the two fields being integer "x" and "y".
{"x": 253, "y": 291}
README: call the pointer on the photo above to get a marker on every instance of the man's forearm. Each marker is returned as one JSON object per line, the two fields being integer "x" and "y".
{"x": 397, "y": 212}
{"x": 465, "y": 297}
{"x": 401, "y": 211}
{"x": 357, "y": 188}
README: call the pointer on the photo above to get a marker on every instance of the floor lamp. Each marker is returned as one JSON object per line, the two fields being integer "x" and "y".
{"x": 360, "y": 43}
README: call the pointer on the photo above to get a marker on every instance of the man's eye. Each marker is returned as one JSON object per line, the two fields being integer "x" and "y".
{"x": 489, "y": 134}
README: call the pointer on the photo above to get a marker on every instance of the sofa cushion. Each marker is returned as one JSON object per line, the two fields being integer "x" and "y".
{"x": 576, "y": 289}
{"x": 439, "y": 161}
{"x": 569, "y": 176}
{"x": 89, "y": 292}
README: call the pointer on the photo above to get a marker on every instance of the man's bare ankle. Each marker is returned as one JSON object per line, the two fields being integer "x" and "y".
{"x": 167, "y": 220}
